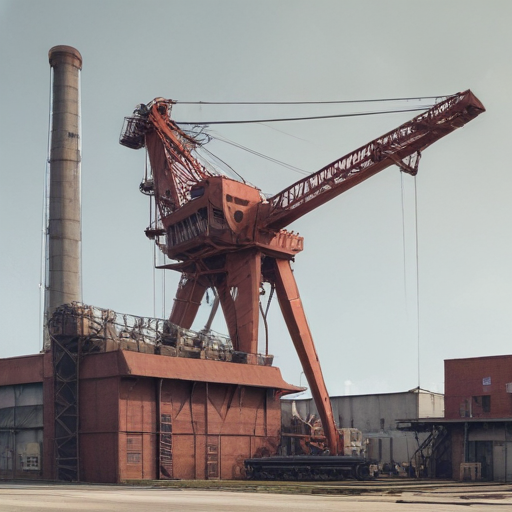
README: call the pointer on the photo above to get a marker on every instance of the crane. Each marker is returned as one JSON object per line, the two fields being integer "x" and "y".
{"x": 226, "y": 235}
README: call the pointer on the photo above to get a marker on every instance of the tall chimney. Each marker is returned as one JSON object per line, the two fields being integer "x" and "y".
{"x": 64, "y": 209}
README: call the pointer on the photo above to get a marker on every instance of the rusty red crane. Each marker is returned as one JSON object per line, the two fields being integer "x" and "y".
{"x": 224, "y": 234}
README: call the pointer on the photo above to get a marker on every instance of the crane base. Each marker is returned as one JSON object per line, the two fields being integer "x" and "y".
{"x": 308, "y": 467}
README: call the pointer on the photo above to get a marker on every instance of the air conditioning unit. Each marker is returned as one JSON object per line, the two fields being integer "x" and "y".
{"x": 508, "y": 386}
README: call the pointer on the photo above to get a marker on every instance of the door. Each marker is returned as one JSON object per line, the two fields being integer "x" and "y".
{"x": 498, "y": 461}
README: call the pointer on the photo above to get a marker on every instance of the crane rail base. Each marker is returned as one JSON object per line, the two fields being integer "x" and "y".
{"x": 308, "y": 468}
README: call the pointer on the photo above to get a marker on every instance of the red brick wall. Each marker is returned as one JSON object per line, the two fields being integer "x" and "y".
{"x": 99, "y": 426}
{"x": 466, "y": 379}
{"x": 213, "y": 426}
{"x": 216, "y": 426}
{"x": 137, "y": 429}
{"x": 21, "y": 370}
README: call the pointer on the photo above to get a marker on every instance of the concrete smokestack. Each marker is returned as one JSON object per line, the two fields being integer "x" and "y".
{"x": 64, "y": 212}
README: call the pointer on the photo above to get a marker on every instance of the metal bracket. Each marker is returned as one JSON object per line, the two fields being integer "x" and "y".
{"x": 405, "y": 166}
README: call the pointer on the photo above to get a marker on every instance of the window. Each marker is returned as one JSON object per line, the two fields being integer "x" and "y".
{"x": 133, "y": 458}
{"x": 481, "y": 404}
{"x": 32, "y": 463}
{"x": 134, "y": 449}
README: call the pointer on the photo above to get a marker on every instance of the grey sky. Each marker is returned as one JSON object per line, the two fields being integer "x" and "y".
{"x": 361, "y": 309}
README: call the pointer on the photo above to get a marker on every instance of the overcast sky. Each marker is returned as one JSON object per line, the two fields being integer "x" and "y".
{"x": 357, "y": 274}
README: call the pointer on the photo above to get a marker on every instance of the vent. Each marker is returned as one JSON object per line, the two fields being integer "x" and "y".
{"x": 508, "y": 386}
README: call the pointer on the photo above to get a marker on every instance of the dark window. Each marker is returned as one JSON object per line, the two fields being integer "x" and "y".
{"x": 32, "y": 463}
{"x": 241, "y": 202}
{"x": 481, "y": 404}
{"x": 196, "y": 192}
{"x": 382, "y": 423}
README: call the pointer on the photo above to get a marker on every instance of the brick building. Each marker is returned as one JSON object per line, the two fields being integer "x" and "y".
{"x": 116, "y": 399}
{"x": 478, "y": 405}
{"x": 478, "y": 388}
{"x": 477, "y": 426}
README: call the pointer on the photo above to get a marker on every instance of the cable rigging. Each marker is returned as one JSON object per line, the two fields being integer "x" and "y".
{"x": 417, "y": 275}
{"x": 305, "y": 118}
{"x": 257, "y": 153}
{"x": 416, "y": 265}
{"x": 330, "y": 102}
{"x": 198, "y": 132}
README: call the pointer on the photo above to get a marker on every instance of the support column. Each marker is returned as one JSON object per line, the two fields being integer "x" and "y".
{"x": 293, "y": 313}
{"x": 239, "y": 295}
{"x": 188, "y": 299}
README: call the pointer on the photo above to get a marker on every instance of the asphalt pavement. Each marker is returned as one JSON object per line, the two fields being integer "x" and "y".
{"x": 255, "y": 497}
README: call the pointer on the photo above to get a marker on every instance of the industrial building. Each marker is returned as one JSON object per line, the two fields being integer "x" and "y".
{"x": 474, "y": 438}
{"x": 102, "y": 406}
{"x": 478, "y": 414}
{"x": 376, "y": 417}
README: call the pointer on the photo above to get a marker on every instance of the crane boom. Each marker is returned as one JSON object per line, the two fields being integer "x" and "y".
{"x": 402, "y": 146}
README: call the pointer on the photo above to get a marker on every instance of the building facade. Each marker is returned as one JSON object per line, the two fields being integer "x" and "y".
{"x": 478, "y": 395}
{"x": 376, "y": 416}
{"x": 116, "y": 398}
{"x": 22, "y": 418}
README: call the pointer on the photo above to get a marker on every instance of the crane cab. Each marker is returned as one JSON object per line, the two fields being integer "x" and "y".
{"x": 222, "y": 215}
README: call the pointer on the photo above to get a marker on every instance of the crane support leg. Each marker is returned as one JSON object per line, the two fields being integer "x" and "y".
{"x": 187, "y": 301}
{"x": 239, "y": 295}
{"x": 228, "y": 309}
{"x": 293, "y": 313}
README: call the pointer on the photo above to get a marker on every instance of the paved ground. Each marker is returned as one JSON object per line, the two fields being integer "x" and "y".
{"x": 102, "y": 498}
